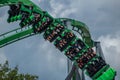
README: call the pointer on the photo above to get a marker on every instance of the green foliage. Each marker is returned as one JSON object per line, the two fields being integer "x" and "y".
{"x": 7, "y": 73}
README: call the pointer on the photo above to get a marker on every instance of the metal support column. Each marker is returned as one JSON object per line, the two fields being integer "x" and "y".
{"x": 73, "y": 70}
{"x": 99, "y": 50}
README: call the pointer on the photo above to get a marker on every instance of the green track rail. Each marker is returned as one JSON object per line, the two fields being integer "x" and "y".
{"x": 15, "y": 35}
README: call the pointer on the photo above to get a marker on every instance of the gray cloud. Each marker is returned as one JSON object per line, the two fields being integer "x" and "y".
{"x": 60, "y": 9}
{"x": 102, "y": 17}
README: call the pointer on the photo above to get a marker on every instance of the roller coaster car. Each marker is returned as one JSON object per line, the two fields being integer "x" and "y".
{"x": 53, "y": 32}
{"x": 44, "y": 24}
{"x": 95, "y": 66}
{"x": 14, "y": 13}
{"x": 76, "y": 49}
{"x": 28, "y": 20}
{"x": 85, "y": 58}
{"x": 29, "y": 16}
{"x": 17, "y": 13}
{"x": 71, "y": 53}
{"x": 64, "y": 40}
{"x": 61, "y": 44}
{"x": 68, "y": 35}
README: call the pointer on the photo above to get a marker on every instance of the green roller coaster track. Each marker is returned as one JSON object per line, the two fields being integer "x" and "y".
{"x": 35, "y": 21}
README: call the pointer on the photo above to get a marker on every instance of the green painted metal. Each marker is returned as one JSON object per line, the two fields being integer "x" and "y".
{"x": 100, "y": 72}
{"x": 108, "y": 75}
{"x": 15, "y": 18}
{"x": 15, "y": 35}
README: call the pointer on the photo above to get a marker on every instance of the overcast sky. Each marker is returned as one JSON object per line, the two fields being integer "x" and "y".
{"x": 36, "y": 56}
